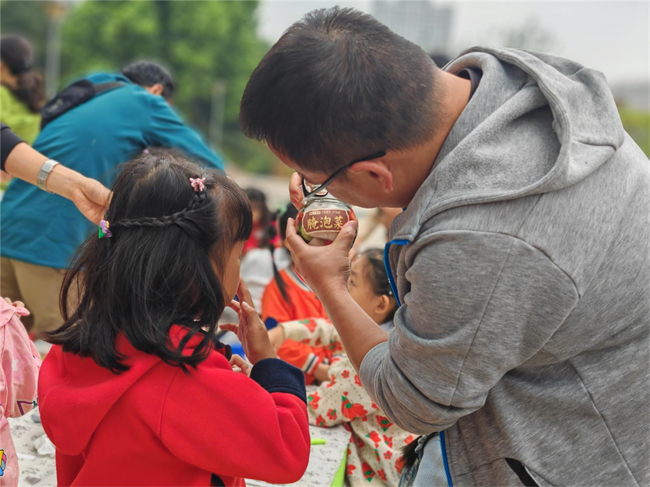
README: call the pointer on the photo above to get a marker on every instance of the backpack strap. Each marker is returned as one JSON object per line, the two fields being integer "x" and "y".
{"x": 72, "y": 96}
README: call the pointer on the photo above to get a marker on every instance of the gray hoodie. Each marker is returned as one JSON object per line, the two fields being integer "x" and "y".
{"x": 523, "y": 267}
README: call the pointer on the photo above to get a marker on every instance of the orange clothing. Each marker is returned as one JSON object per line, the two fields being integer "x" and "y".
{"x": 302, "y": 302}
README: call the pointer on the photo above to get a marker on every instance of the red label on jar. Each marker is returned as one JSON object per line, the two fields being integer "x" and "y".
{"x": 316, "y": 222}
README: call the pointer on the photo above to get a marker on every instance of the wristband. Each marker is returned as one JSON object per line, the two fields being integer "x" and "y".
{"x": 45, "y": 171}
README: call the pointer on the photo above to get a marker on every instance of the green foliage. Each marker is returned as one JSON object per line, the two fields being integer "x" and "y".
{"x": 27, "y": 19}
{"x": 201, "y": 42}
{"x": 637, "y": 124}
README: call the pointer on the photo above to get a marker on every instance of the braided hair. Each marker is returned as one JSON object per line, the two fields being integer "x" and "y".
{"x": 162, "y": 265}
{"x": 282, "y": 218}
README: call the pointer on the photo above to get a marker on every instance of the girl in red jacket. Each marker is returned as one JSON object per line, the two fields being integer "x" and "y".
{"x": 138, "y": 390}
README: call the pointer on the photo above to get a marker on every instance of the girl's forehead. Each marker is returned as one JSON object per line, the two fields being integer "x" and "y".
{"x": 358, "y": 263}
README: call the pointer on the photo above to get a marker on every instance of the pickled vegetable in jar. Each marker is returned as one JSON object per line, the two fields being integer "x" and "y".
{"x": 323, "y": 218}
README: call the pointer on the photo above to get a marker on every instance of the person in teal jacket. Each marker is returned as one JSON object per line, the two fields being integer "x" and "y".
{"x": 41, "y": 231}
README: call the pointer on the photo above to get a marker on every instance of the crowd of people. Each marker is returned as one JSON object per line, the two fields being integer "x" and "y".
{"x": 499, "y": 338}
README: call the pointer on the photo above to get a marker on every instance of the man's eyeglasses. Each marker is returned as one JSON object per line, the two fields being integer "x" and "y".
{"x": 311, "y": 189}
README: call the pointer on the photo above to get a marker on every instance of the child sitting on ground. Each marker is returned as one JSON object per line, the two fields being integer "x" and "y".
{"x": 288, "y": 298}
{"x": 376, "y": 443}
{"x": 138, "y": 391}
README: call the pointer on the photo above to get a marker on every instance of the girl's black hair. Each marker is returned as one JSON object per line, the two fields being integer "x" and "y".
{"x": 409, "y": 455}
{"x": 268, "y": 223}
{"x": 282, "y": 217}
{"x": 16, "y": 53}
{"x": 161, "y": 266}
{"x": 379, "y": 278}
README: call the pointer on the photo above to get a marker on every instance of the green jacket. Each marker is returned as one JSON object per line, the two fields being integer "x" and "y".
{"x": 18, "y": 116}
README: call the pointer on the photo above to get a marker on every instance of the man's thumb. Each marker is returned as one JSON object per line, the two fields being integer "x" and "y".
{"x": 346, "y": 237}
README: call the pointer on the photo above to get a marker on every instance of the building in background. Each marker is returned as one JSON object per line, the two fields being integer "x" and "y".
{"x": 425, "y": 23}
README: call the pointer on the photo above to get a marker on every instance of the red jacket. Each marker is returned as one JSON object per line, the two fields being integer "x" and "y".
{"x": 158, "y": 425}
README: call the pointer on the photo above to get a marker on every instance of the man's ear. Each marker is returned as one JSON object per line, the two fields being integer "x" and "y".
{"x": 378, "y": 170}
{"x": 156, "y": 89}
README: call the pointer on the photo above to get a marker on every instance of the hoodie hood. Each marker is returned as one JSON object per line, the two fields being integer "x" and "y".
{"x": 75, "y": 393}
{"x": 536, "y": 124}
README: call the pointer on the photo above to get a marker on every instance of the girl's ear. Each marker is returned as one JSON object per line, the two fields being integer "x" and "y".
{"x": 383, "y": 305}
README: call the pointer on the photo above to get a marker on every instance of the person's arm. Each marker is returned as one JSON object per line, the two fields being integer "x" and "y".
{"x": 8, "y": 140}
{"x": 480, "y": 305}
{"x": 318, "y": 332}
{"x": 326, "y": 271}
{"x": 90, "y": 196}
{"x": 339, "y": 400}
{"x": 167, "y": 130}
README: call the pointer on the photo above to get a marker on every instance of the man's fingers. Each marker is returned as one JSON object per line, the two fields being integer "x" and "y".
{"x": 294, "y": 241}
{"x": 345, "y": 238}
{"x": 317, "y": 242}
{"x": 295, "y": 190}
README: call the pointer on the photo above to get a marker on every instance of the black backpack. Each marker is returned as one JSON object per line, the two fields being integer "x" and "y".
{"x": 74, "y": 95}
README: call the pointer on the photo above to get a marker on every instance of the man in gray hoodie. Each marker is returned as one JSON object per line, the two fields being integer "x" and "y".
{"x": 522, "y": 259}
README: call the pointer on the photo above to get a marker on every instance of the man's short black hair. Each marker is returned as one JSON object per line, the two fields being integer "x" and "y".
{"x": 339, "y": 86}
{"x": 147, "y": 73}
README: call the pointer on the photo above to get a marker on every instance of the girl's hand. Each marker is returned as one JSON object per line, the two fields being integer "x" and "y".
{"x": 251, "y": 331}
{"x": 17, "y": 304}
{"x": 277, "y": 337}
{"x": 240, "y": 365}
{"x": 324, "y": 269}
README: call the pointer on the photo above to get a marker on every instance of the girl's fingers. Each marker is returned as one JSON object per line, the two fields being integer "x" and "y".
{"x": 229, "y": 327}
{"x": 238, "y": 361}
{"x": 235, "y": 305}
{"x": 243, "y": 293}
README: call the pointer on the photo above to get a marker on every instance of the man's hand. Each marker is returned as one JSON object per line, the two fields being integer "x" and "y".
{"x": 295, "y": 191}
{"x": 323, "y": 268}
{"x": 91, "y": 198}
{"x": 251, "y": 331}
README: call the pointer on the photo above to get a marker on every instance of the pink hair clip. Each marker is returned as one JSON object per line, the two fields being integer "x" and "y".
{"x": 198, "y": 184}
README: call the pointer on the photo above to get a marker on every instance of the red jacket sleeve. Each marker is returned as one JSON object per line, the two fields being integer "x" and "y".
{"x": 67, "y": 468}
{"x": 236, "y": 426}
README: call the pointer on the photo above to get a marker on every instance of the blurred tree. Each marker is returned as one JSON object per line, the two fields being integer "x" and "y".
{"x": 201, "y": 42}
{"x": 637, "y": 124}
{"x": 29, "y": 20}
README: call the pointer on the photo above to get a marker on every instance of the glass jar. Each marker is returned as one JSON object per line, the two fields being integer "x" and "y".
{"x": 323, "y": 218}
